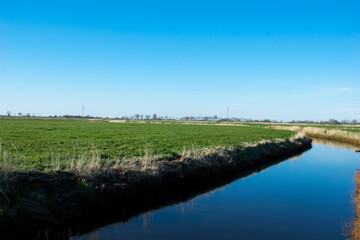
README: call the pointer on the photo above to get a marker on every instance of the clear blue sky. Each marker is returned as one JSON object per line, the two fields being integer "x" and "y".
{"x": 281, "y": 60}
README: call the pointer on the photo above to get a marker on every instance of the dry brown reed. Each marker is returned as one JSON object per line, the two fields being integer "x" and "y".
{"x": 355, "y": 227}
{"x": 316, "y": 131}
{"x": 194, "y": 157}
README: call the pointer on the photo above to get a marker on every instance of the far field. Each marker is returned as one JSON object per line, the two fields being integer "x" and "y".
{"x": 36, "y": 141}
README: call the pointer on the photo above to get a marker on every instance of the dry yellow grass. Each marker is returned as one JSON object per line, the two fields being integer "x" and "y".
{"x": 204, "y": 157}
{"x": 355, "y": 229}
{"x": 316, "y": 131}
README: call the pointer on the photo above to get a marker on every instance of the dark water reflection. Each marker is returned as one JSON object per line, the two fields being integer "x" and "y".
{"x": 306, "y": 197}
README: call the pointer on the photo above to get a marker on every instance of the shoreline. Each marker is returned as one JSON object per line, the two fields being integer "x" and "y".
{"x": 323, "y": 133}
{"x": 352, "y": 229}
{"x": 119, "y": 194}
{"x": 355, "y": 227}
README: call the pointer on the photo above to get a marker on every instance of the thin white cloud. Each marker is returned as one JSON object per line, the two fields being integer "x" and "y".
{"x": 343, "y": 89}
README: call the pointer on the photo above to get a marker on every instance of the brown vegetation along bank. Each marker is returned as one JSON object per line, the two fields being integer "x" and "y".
{"x": 324, "y": 133}
{"x": 61, "y": 204}
{"x": 355, "y": 228}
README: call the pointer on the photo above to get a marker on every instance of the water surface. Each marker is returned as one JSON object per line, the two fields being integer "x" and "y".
{"x": 305, "y": 197}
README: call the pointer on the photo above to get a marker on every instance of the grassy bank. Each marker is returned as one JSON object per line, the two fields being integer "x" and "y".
{"x": 343, "y": 133}
{"x": 49, "y": 194}
{"x": 37, "y": 143}
{"x": 348, "y": 135}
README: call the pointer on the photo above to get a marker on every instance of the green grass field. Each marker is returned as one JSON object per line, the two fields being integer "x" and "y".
{"x": 38, "y": 140}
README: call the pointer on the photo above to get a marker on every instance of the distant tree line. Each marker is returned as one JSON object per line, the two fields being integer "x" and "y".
{"x": 330, "y": 121}
{"x": 154, "y": 116}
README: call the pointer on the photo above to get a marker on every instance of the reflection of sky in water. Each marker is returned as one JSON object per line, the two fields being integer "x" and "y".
{"x": 333, "y": 144}
{"x": 308, "y": 197}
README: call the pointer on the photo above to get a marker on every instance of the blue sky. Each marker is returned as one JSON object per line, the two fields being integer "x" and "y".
{"x": 281, "y": 60}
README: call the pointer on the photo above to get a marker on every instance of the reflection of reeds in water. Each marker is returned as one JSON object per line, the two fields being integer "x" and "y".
{"x": 296, "y": 158}
{"x": 335, "y": 144}
{"x": 147, "y": 219}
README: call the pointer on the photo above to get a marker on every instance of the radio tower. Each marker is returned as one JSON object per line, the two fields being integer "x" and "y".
{"x": 228, "y": 113}
{"x": 83, "y": 110}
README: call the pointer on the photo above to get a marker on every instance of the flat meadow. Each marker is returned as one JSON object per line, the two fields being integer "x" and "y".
{"x": 36, "y": 142}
